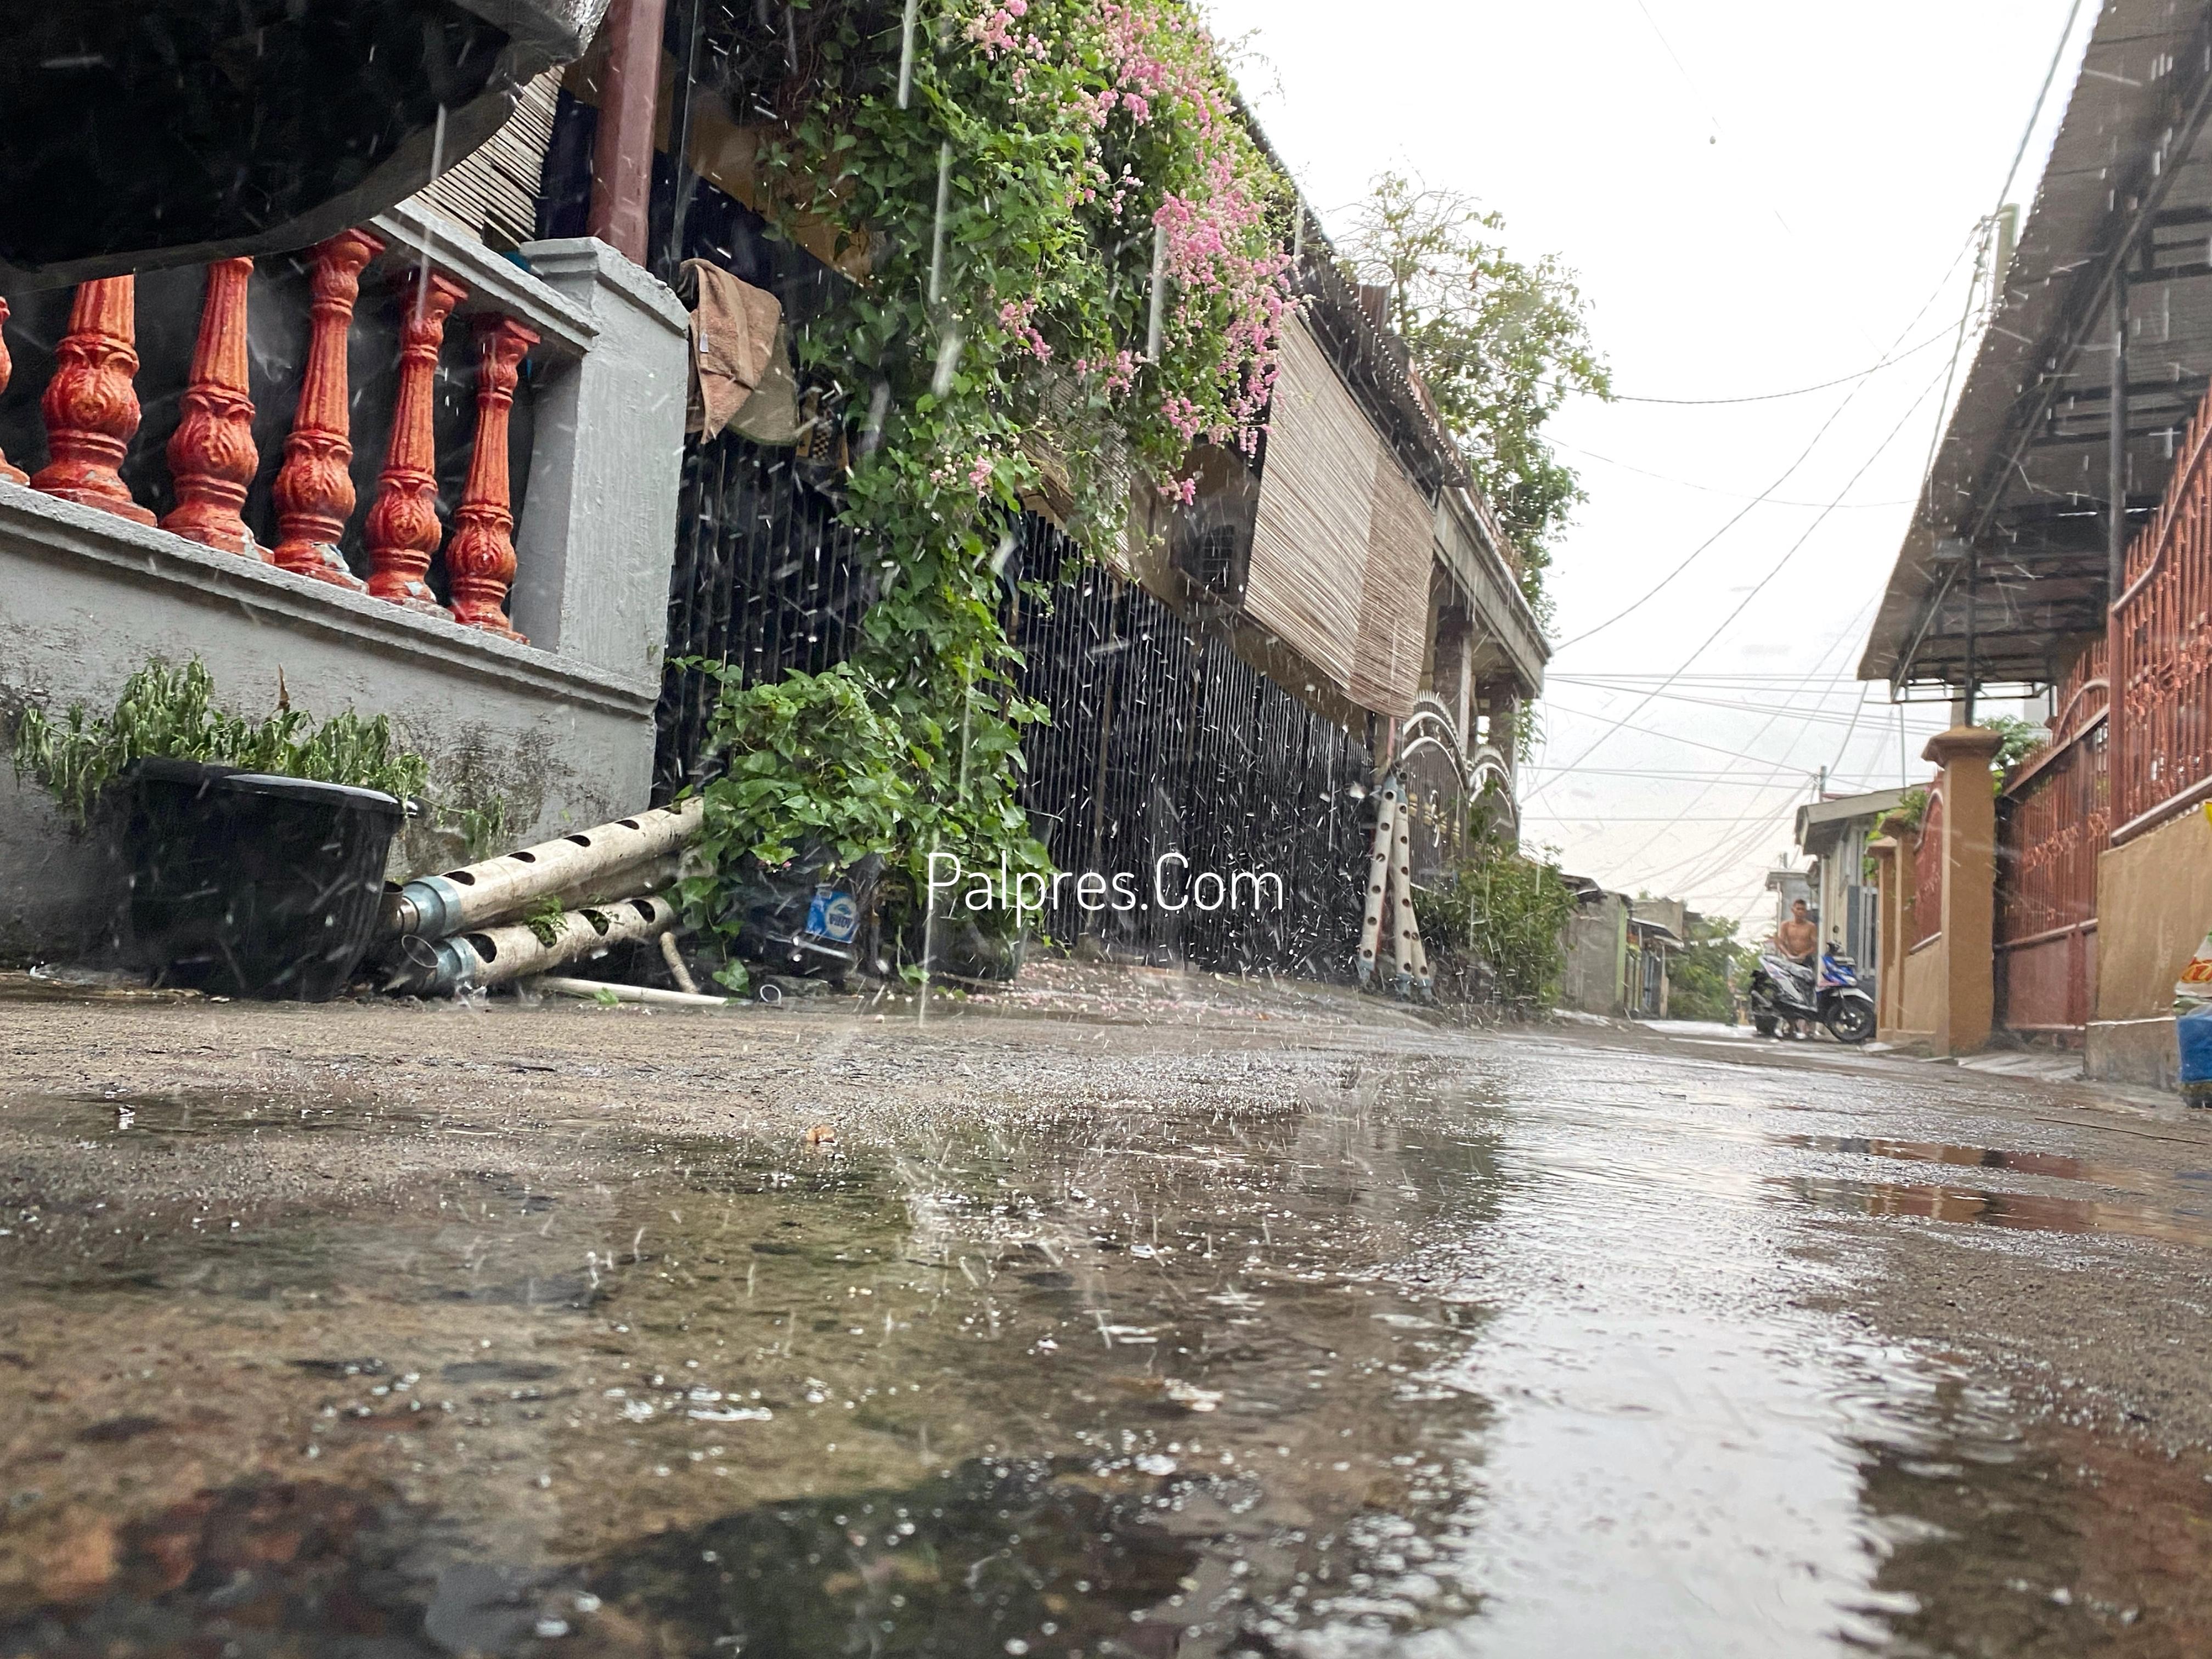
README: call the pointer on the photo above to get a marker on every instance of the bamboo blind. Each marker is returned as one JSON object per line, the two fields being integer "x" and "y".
{"x": 1310, "y": 542}
{"x": 493, "y": 190}
{"x": 1393, "y": 600}
{"x": 1341, "y": 550}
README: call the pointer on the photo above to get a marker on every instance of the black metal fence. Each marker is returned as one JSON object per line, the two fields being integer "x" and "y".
{"x": 765, "y": 578}
{"x": 1235, "y": 817}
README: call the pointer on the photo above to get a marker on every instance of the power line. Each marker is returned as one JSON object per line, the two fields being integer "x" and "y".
{"x": 1736, "y": 851}
{"x": 1982, "y": 232}
{"x": 1773, "y": 397}
{"x": 1602, "y": 819}
{"x": 1759, "y": 587}
{"x": 1670, "y": 777}
{"x": 1708, "y": 489}
{"x": 1744, "y": 511}
{"x": 1832, "y": 716}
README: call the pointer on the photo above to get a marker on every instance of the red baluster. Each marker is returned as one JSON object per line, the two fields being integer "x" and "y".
{"x": 212, "y": 457}
{"x": 90, "y": 406}
{"x": 9, "y": 474}
{"x": 402, "y": 531}
{"x": 480, "y": 559}
{"x": 314, "y": 492}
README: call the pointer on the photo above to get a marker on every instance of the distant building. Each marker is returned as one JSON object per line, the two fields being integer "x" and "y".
{"x": 1835, "y": 834}
{"x": 1618, "y": 952}
{"x": 1657, "y": 929}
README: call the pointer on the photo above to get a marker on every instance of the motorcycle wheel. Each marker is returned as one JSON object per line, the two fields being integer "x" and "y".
{"x": 1851, "y": 1022}
{"x": 1764, "y": 1024}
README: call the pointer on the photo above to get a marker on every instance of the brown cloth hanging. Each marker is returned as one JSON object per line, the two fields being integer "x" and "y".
{"x": 736, "y": 331}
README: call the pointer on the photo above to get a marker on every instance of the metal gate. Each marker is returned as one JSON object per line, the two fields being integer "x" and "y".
{"x": 2052, "y": 822}
{"x": 1170, "y": 758}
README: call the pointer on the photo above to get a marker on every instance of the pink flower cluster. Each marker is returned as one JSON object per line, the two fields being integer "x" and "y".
{"x": 994, "y": 30}
{"x": 1231, "y": 286}
{"x": 1017, "y": 318}
{"x": 1120, "y": 370}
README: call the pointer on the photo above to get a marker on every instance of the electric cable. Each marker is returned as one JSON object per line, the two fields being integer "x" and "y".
{"x": 1707, "y": 489}
{"x": 1800, "y": 392}
{"x": 1744, "y": 511}
{"x": 1842, "y": 641}
{"x": 1759, "y": 587}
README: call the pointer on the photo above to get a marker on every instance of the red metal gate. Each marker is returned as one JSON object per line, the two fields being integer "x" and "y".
{"x": 2161, "y": 643}
{"x": 2052, "y": 822}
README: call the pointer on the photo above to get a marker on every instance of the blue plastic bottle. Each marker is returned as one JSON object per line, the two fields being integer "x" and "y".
{"x": 2194, "y": 1031}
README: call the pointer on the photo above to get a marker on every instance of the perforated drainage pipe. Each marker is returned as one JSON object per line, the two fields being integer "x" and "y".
{"x": 434, "y": 907}
{"x": 492, "y": 955}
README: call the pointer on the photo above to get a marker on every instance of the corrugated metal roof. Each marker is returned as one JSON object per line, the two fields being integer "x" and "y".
{"x": 2021, "y": 470}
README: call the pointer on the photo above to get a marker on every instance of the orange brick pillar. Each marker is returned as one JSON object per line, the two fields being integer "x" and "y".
{"x": 1969, "y": 852}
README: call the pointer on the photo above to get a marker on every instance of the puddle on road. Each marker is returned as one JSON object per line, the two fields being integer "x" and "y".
{"x": 218, "y": 1112}
{"x": 2026, "y": 1212}
{"x": 2056, "y": 1166}
{"x": 1164, "y": 1382}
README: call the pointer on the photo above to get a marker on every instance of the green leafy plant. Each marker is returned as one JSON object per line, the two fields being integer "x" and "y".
{"x": 1500, "y": 343}
{"x": 1506, "y": 911}
{"x": 170, "y": 712}
{"x": 2021, "y": 738}
{"x": 1912, "y": 807}
{"x": 822, "y": 764}
{"x": 1702, "y": 978}
{"x": 482, "y": 825}
{"x": 1064, "y": 185}
{"x": 543, "y": 919}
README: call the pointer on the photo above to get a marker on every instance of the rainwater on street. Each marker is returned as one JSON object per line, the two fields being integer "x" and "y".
{"x": 365, "y": 1333}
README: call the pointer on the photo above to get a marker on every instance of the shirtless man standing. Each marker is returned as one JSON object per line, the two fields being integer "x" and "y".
{"x": 1798, "y": 939}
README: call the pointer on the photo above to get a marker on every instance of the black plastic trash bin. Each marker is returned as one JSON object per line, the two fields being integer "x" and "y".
{"x": 245, "y": 884}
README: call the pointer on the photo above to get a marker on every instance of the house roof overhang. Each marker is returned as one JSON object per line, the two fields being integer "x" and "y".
{"x": 2007, "y": 557}
{"x": 1822, "y": 825}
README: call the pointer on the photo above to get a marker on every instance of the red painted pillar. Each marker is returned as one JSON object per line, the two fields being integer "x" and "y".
{"x": 9, "y": 474}
{"x": 90, "y": 405}
{"x": 402, "y": 531}
{"x": 481, "y": 556}
{"x": 212, "y": 457}
{"x": 622, "y": 155}
{"x": 314, "y": 492}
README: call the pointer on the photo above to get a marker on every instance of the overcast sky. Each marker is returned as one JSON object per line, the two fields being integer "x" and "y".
{"x": 1756, "y": 198}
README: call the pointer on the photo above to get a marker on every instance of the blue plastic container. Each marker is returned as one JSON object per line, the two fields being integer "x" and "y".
{"x": 2194, "y": 1032}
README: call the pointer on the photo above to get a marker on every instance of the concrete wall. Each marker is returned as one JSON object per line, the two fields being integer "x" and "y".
{"x": 86, "y": 598}
{"x": 2153, "y": 907}
{"x": 1596, "y": 948}
{"x": 1925, "y": 972}
{"x": 559, "y": 730}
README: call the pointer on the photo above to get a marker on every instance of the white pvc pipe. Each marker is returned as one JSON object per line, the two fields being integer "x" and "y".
{"x": 1407, "y": 930}
{"x": 492, "y": 955}
{"x": 432, "y": 907}
{"x": 554, "y": 985}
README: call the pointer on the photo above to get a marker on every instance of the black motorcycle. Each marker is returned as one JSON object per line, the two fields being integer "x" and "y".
{"x": 1782, "y": 991}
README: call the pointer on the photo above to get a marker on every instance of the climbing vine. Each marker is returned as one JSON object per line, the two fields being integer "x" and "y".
{"x": 1073, "y": 269}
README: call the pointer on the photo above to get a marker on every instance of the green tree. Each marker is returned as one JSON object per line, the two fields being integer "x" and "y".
{"x": 1701, "y": 976}
{"x": 1501, "y": 342}
{"x": 2020, "y": 739}
{"x": 1506, "y": 911}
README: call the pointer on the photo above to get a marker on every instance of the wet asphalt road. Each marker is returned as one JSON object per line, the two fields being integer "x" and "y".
{"x": 372, "y": 1331}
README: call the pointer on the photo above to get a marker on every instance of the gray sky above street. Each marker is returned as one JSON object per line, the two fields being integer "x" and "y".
{"x": 1756, "y": 198}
